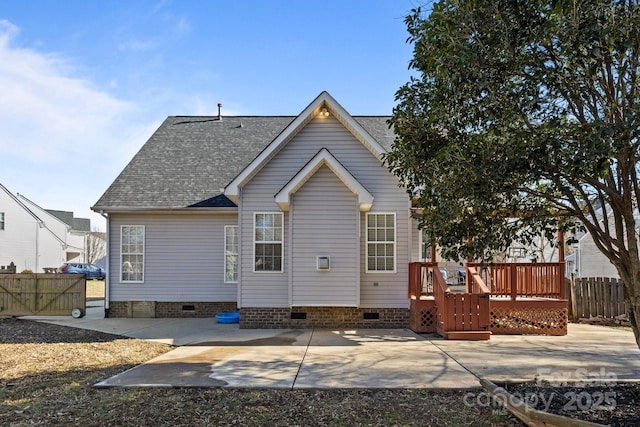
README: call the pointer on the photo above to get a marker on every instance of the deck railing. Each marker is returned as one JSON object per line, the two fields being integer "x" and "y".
{"x": 421, "y": 279}
{"x": 475, "y": 283}
{"x": 440, "y": 293}
{"x": 528, "y": 280}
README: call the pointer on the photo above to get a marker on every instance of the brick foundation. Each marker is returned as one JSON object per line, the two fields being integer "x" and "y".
{"x": 169, "y": 309}
{"x": 323, "y": 317}
{"x": 117, "y": 309}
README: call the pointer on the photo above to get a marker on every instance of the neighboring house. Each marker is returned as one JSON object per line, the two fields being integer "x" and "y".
{"x": 291, "y": 220}
{"x": 34, "y": 238}
{"x": 587, "y": 260}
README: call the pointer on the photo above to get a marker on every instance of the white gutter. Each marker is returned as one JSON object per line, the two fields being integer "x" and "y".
{"x": 106, "y": 266}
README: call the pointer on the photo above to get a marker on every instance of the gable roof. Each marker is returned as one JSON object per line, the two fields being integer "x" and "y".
{"x": 323, "y": 105}
{"x": 76, "y": 224}
{"x": 324, "y": 158}
{"x": 189, "y": 160}
{"x": 21, "y": 204}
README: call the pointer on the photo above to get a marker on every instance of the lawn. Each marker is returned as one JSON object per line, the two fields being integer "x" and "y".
{"x": 95, "y": 289}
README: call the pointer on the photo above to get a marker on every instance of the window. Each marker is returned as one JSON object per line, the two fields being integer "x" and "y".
{"x": 1, "y": 220}
{"x": 267, "y": 237}
{"x": 132, "y": 250}
{"x": 231, "y": 254}
{"x": 381, "y": 242}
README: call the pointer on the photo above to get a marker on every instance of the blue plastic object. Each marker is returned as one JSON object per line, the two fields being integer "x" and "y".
{"x": 231, "y": 317}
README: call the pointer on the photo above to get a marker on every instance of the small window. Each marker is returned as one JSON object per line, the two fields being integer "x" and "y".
{"x": 381, "y": 242}
{"x": 268, "y": 242}
{"x": 132, "y": 252}
{"x": 1, "y": 220}
{"x": 231, "y": 254}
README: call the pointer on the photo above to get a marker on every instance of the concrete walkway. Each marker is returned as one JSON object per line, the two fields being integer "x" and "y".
{"x": 212, "y": 355}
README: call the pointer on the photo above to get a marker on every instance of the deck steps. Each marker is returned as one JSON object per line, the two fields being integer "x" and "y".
{"x": 468, "y": 335}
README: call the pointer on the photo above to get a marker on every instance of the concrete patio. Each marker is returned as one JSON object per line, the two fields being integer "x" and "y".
{"x": 209, "y": 354}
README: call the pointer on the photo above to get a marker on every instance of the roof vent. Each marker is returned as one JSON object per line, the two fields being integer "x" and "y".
{"x": 219, "y": 111}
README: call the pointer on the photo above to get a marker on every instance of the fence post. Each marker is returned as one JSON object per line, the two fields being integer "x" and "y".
{"x": 573, "y": 304}
{"x": 513, "y": 282}
{"x": 562, "y": 279}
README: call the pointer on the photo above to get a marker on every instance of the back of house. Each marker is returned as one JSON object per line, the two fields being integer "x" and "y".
{"x": 292, "y": 220}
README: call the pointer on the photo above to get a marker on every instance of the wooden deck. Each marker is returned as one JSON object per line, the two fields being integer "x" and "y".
{"x": 506, "y": 298}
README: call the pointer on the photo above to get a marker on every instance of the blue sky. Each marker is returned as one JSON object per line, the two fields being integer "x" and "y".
{"x": 85, "y": 83}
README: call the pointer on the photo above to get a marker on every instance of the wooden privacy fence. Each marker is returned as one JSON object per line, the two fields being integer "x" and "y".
{"x": 596, "y": 296}
{"x": 42, "y": 294}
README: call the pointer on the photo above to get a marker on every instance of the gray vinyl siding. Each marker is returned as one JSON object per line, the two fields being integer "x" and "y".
{"x": 184, "y": 258}
{"x": 272, "y": 289}
{"x": 382, "y": 289}
{"x": 324, "y": 222}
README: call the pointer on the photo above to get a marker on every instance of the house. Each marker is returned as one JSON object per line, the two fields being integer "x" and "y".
{"x": 34, "y": 238}
{"x": 293, "y": 221}
{"x": 586, "y": 260}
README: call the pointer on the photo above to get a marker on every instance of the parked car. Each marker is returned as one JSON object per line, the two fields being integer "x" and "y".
{"x": 91, "y": 271}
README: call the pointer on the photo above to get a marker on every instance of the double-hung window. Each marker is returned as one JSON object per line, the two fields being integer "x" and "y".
{"x": 268, "y": 241}
{"x": 381, "y": 242}
{"x": 231, "y": 254}
{"x": 132, "y": 252}
{"x": 1, "y": 220}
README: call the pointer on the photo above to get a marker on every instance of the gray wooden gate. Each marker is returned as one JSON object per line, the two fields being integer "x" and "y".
{"x": 42, "y": 294}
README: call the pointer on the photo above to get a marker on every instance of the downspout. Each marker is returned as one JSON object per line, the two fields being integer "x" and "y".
{"x": 240, "y": 249}
{"x": 107, "y": 279}
{"x": 37, "y": 247}
{"x": 577, "y": 250}
{"x": 39, "y": 225}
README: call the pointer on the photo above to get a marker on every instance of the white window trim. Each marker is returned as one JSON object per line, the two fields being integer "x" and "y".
{"x": 395, "y": 243}
{"x": 253, "y": 261}
{"x": 144, "y": 253}
{"x": 227, "y": 227}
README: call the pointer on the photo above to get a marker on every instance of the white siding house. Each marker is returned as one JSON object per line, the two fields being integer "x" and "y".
{"x": 294, "y": 221}
{"x": 587, "y": 260}
{"x": 34, "y": 238}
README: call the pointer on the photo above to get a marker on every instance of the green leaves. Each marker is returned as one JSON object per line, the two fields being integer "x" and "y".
{"x": 521, "y": 112}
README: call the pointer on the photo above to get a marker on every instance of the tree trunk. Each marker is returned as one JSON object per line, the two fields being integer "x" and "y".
{"x": 634, "y": 316}
{"x": 632, "y": 296}
{"x": 633, "y": 302}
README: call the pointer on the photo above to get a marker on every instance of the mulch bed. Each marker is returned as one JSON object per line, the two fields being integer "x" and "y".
{"x": 615, "y": 403}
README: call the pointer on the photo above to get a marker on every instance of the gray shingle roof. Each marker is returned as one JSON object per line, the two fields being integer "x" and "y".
{"x": 188, "y": 160}
{"x": 76, "y": 224}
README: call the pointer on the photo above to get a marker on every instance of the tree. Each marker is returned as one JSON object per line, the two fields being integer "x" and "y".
{"x": 96, "y": 246}
{"x": 523, "y": 116}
